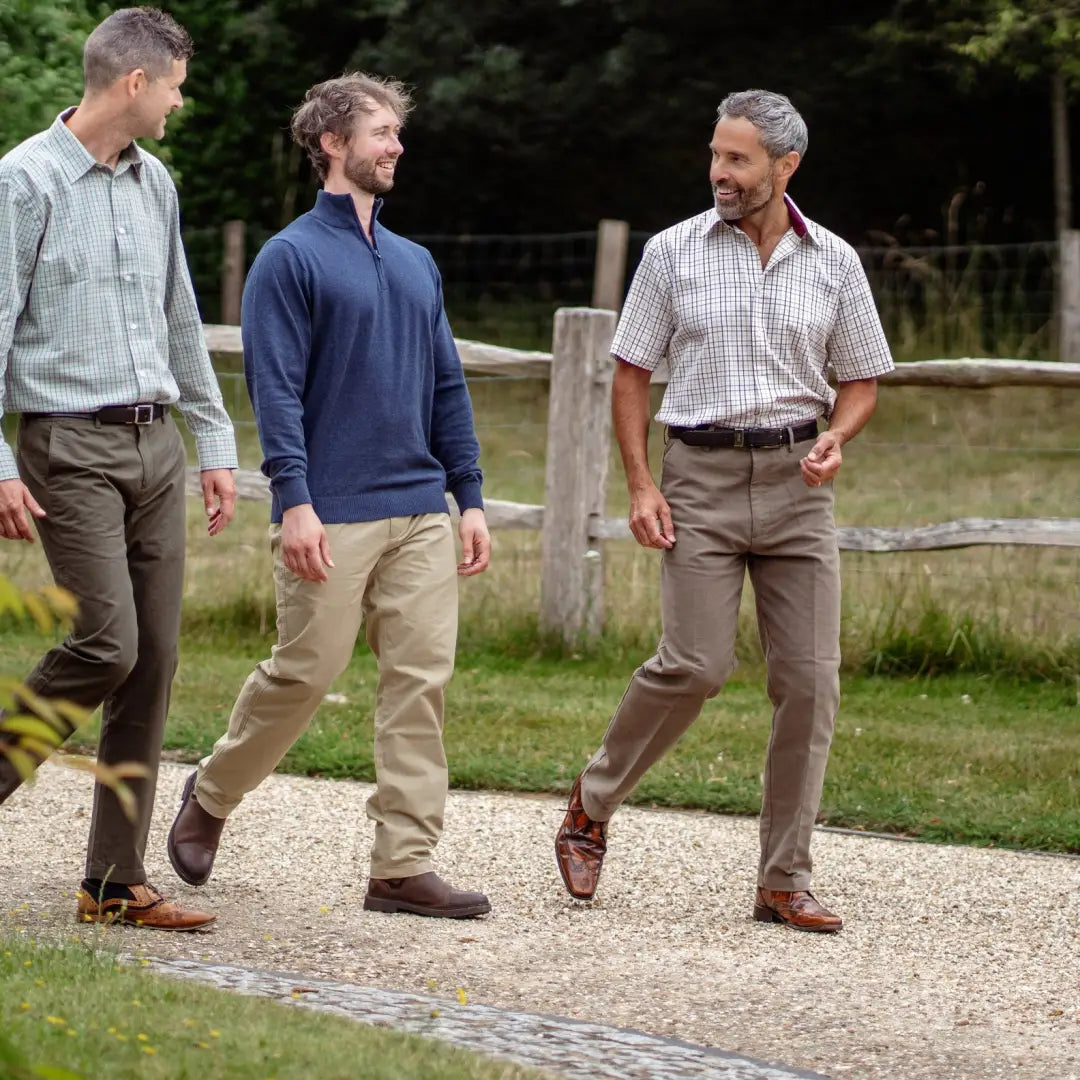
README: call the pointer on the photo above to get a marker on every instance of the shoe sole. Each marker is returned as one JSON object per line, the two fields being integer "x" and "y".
{"x": 111, "y": 920}
{"x": 394, "y": 907}
{"x": 566, "y": 880}
{"x": 766, "y": 914}
{"x": 181, "y": 873}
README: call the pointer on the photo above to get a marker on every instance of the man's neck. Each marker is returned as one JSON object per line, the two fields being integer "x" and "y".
{"x": 363, "y": 201}
{"x": 767, "y": 225}
{"x": 96, "y": 126}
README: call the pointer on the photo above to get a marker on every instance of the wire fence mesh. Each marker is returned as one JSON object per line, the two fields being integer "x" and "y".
{"x": 979, "y": 300}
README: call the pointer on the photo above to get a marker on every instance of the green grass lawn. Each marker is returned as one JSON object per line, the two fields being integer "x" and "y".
{"x": 73, "y": 1012}
{"x": 963, "y": 757}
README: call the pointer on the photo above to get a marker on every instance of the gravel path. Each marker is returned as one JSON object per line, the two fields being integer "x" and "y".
{"x": 956, "y": 964}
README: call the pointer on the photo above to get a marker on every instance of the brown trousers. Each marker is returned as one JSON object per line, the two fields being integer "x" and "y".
{"x": 736, "y": 511}
{"x": 114, "y": 537}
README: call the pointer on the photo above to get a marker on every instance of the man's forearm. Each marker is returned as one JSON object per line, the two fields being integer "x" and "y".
{"x": 630, "y": 414}
{"x": 855, "y": 403}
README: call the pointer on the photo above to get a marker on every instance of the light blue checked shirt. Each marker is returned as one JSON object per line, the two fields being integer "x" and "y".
{"x": 96, "y": 303}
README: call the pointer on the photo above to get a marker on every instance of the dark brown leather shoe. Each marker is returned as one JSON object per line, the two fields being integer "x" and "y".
{"x": 146, "y": 907}
{"x": 424, "y": 894}
{"x": 194, "y": 838}
{"x": 580, "y": 846}
{"x": 796, "y": 909}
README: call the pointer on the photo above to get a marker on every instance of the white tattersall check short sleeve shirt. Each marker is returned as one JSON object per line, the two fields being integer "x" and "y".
{"x": 749, "y": 346}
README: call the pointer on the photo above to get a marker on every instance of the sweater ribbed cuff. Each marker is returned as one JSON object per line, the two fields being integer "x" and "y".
{"x": 291, "y": 493}
{"x": 468, "y": 496}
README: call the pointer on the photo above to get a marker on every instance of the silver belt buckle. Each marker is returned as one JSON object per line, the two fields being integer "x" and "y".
{"x": 144, "y": 414}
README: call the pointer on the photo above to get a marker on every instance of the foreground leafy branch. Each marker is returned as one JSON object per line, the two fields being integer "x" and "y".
{"x": 32, "y": 728}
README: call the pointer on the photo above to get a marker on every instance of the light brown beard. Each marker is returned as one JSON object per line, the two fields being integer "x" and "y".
{"x": 365, "y": 176}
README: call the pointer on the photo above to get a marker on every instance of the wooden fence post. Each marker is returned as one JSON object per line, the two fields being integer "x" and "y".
{"x": 578, "y": 450}
{"x": 1069, "y": 295}
{"x": 232, "y": 272}
{"x": 609, "y": 273}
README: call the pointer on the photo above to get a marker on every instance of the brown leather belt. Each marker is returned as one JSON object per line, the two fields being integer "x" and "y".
{"x": 745, "y": 438}
{"x": 111, "y": 414}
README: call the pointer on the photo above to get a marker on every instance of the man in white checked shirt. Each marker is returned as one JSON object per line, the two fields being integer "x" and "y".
{"x": 751, "y": 303}
{"x": 99, "y": 335}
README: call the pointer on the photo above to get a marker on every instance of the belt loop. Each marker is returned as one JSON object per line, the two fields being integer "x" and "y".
{"x": 667, "y": 434}
{"x": 790, "y": 438}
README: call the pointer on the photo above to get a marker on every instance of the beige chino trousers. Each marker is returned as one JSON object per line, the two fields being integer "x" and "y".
{"x": 398, "y": 578}
{"x": 738, "y": 511}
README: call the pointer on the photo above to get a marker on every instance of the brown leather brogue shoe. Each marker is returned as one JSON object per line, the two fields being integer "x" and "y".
{"x": 580, "y": 846}
{"x": 194, "y": 838}
{"x": 797, "y": 909}
{"x": 145, "y": 907}
{"x": 424, "y": 894}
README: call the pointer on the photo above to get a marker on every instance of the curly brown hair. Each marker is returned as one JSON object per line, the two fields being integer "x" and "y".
{"x": 333, "y": 106}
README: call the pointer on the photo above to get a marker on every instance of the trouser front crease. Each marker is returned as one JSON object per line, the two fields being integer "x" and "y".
{"x": 398, "y": 576}
{"x": 735, "y": 511}
{"x": 114, "y": 537}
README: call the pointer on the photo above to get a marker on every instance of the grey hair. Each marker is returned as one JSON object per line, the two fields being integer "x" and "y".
{"x": 779, "y": 124}
{"x": 131, "y": 38}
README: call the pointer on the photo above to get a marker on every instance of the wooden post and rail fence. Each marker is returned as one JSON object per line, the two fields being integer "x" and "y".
{"x": 573, "y": 522}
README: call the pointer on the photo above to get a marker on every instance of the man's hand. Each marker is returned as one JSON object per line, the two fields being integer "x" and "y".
{"x": 650, "y": 518}
{"x": 305, "y": 547}
{"x": 15, "y": 502}
{"x": 824, "y": 460}
{"x": 475, "y": 543}
{"x": 219, "y": 498}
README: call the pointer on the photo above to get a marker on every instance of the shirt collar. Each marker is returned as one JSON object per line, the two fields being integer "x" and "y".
{"x": 340, "y": 210}
{"x": 801, "y": 226}
{"x": 76, "y": 160}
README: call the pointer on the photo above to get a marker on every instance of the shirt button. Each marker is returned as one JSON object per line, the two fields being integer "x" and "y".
{"x": 121, "y": 230}
{"x": 127, "y": 277}
{"x": 134, "y": 326}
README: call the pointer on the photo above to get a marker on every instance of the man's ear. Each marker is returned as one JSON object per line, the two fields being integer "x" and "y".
{"x": 787, "y": 165}
{"x": 134, "y": 82}
{"x": 333, "y": 144}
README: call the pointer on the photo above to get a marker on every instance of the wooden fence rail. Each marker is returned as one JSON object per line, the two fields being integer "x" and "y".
{"x": 572, "y": 523}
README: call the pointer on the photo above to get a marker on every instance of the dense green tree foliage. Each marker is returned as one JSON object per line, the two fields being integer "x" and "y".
{"x": 544, "y": 115}
{"x": 40, "y": 62}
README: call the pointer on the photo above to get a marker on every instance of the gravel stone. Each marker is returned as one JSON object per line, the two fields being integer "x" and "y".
{"x": 955, "y": 963}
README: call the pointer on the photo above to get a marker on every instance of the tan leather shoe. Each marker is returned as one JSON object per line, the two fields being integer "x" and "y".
{"x": 146, "y": 907}
{"x": 796, "y": 909}
{"x": 580, "y": 846}
{"x": 424, "y": 894}
{"x": 194, "y": 838}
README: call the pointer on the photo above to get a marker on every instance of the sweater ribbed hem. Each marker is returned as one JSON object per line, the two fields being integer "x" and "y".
{"x": 373, "y": 506}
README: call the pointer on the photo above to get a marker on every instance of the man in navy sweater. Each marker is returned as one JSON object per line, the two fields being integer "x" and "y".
{"x": 365, "y": 423}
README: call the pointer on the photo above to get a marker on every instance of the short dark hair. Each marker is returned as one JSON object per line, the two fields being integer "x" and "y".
{"x": 139, "y": 37}
{"x": 333, "y": 106}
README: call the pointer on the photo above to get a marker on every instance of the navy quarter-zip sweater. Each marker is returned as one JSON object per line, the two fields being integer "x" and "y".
{"x": 357, "y": 387}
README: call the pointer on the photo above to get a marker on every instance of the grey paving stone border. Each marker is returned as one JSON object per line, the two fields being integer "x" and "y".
{"x": 570, "y": 1048}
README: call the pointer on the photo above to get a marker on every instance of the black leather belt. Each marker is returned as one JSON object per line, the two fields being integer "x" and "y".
{"x": 111, "y": 414}
{"x": 745, "y": 438}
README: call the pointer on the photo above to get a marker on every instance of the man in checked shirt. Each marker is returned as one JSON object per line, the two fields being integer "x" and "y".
{"x": 751, "y": 303}
{"x": 99, "y": 335}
